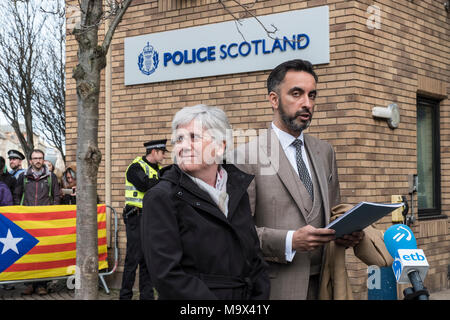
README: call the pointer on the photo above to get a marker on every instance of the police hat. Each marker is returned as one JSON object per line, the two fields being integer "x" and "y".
{"x": 156, "y": 144}
{"x": 14, "y": 154}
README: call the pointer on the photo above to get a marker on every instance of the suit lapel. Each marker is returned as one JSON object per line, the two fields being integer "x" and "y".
{"x": 237, "y": 185}
{"x": 319, "y": 170}
{"x": 280, "y": 164}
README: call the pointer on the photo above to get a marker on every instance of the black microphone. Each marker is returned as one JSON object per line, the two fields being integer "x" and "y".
{"x": 418, "y": 291}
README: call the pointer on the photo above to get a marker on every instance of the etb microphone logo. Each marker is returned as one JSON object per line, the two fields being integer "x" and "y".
{"x": 408, "y": 260}
{"x": 402, "y": 233}
{"x": 399, "y": 237}
{"x": 397, "y": 268}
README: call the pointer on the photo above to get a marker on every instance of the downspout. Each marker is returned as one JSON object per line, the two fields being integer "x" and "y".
{"x": 108, "y": 106}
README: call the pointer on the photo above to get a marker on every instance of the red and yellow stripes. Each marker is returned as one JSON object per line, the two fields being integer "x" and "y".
{"x": 55, "y": 228}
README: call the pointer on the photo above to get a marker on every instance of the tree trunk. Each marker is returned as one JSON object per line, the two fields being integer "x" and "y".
{"x": 91, "y": 60}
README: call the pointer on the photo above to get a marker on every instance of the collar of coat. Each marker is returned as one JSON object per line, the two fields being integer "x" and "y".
{"x": 29, "y": 173}
{"x": 237, "y": 184}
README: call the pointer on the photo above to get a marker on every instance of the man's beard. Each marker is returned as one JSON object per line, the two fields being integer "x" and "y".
{"x": 291, "y": 122}
{"x": 37, "y": 169}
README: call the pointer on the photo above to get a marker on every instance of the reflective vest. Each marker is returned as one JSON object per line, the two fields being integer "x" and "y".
{"x": 133, "y": 196}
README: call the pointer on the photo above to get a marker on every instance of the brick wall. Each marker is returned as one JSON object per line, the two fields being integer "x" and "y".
{"x": 407, "y": 54}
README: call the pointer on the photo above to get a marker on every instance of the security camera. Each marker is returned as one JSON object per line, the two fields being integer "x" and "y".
{"x": 391, "y": 114}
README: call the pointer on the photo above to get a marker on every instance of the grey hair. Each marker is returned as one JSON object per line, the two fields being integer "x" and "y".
{"x": 212, "y": 119}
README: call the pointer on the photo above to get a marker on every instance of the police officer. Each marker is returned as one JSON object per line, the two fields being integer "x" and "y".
{"x": 141, "y": 175}
{"x": 15, "y": 162}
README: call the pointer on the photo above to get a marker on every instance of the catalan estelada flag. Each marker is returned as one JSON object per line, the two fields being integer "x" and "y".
{"x": 40, "y": 242}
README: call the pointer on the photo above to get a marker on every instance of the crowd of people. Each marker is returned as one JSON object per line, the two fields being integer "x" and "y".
{"x": 37, "y": 185}
{"x": 18, "y": 185}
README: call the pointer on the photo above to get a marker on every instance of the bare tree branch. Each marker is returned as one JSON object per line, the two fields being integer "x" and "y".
{"x": 113, "y": 11}
{"x": 32, "y": 75}
{"x": 50, "y": 102}
{"x": 20, "y": 49}
{"x": 270, "y": 33}
{"x": 114, "y": 23}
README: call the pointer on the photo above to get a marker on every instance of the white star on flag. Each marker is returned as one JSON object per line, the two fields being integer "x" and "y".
{"x": 10, "y": 243}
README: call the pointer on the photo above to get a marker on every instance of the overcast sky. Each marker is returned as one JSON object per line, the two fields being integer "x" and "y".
{"x": 2, "y": 119}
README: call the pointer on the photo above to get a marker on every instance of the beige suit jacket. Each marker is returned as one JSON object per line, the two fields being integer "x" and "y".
{"x": 277, "y": 205}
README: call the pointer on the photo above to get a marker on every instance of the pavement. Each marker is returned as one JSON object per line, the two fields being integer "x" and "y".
{"x": 59, "y": 291}
{"x": 440, "y": 295}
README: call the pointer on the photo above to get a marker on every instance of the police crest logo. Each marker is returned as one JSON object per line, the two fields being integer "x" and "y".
{"x": 148, "y": 60}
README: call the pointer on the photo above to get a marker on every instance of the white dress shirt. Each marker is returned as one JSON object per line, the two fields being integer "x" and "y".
{"x": 286, "y": 143}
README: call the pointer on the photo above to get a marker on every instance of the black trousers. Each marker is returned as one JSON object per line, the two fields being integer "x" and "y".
{"x": 134, "y": 258}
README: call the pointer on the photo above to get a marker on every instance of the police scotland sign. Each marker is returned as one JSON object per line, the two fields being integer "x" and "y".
{"x": 228, "y": 47}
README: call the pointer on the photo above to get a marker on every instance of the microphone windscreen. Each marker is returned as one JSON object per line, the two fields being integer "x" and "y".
{"x": 399, "y": 236}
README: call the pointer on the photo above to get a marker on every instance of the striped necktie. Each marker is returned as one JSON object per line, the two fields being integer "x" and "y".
{"x": 301, "y": 167}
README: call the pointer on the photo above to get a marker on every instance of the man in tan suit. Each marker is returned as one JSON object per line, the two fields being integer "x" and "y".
{"x": 295, "y": 186}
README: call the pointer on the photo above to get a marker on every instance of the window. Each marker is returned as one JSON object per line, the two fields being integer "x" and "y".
{"x": 428, "y": 158}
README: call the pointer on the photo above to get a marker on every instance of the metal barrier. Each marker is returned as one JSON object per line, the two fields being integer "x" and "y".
{"x": 116, "y": 253}
{"x": 101, "y": 275}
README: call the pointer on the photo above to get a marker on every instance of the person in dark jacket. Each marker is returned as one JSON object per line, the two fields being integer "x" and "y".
{"x": 140, "y": 176}
{"x": 6, "y": 180}
{"x": 15, "y": 163}
{"x": 5, "y": 176}
{"x": 198, "y": 235}
{"x": 69, "y": 182}
{"x": 37, "y": 186}
{"x": 5, "y": 195}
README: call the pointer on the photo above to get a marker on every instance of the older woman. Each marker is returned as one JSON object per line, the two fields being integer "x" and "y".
{"x": 198, "y": 236}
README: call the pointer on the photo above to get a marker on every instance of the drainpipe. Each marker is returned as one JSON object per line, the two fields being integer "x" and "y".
{"x": 108, "y": 106}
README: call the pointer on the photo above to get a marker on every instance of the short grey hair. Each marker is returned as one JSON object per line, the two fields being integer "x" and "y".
{"x": 212, "y": 118}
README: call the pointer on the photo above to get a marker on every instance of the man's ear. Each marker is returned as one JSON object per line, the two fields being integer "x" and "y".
{"x": 273, "y": 99}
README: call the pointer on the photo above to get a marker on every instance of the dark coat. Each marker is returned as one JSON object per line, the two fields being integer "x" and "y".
{"x": 36, "y": 191}
{"x": 5, "y": 195}
{"x": 69, "y": 199}
{"x": 8, "y": 179}
{"x": 193, "y": 250}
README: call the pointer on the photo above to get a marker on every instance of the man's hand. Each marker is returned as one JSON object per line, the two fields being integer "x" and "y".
{"x": 350, "y": 240}
{"x": 309, "y": 238}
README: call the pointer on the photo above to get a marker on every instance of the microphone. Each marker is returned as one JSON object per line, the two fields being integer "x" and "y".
{"x": 410, "y": 264}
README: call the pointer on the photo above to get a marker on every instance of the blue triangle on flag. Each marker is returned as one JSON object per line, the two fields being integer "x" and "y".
{"x": 14, "y": 242}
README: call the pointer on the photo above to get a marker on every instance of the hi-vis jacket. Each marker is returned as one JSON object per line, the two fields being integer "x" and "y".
{"x": 133, "y": 196}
